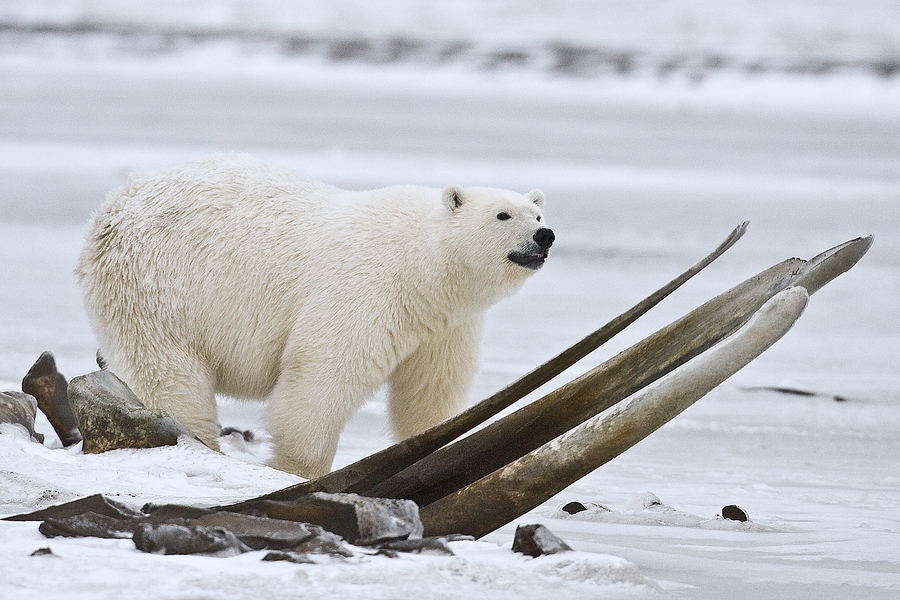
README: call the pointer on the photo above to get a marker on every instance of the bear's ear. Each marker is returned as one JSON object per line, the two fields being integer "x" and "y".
{"x": 537, "y": 196}
{"x": 454, "y": 197}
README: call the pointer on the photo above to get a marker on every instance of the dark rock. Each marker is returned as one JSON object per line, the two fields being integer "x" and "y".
{"x": 246, "y": 434}
{"x": 89, "y": 524}
{"x": 166, "y": 538}
{"x": 261, "y": 533}
{"x": 294, "y": 557}
{"x": 323, "y": 542}
{"x": 426, "y": 545}
{"x": 537, "y": 540}
{"x": 733, "y": 512}
{"x": 42, "y": 552}
{"x": 97, "y": 504}
{"x": 574, "y": 508}
{"x": 111, "y": 416}
{"x": 20, "y": 409}
{"x": 160, "y": 513}
{"x": 50, "y": 389}
{"x": 257, "y": 532}
{"x": 358, "y": 519}
{"x": 177, "y": 529}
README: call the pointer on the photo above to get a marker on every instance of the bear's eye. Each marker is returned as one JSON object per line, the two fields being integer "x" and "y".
{"x": 539, "y": 218}
{"x": 504, "y": 216}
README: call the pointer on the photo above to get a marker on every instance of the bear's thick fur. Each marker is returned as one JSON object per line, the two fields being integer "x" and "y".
{"x": 229, "y": 275}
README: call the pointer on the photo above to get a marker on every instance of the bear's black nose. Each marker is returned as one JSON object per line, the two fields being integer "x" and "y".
{"x": 544, "y": 237}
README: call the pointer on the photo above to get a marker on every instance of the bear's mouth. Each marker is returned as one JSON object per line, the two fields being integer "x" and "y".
{"x": 529, "y": 260}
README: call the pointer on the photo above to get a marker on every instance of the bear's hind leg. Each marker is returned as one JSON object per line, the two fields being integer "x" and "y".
{"x": 306, "y": 412}
{"x": 184, "y": 385}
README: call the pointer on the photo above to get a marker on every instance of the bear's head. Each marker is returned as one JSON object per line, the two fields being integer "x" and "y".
{"x": 500, "y": 235}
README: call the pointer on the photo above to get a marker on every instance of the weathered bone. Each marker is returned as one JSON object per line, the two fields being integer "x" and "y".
{"x": 453, "y": 467}
{"x": 544, "y": 471}
{"x": 368, "y": 472}
{"x": 520, "y": 486}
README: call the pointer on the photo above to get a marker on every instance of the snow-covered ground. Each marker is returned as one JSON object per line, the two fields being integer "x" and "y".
{"x": 644, "y": 174}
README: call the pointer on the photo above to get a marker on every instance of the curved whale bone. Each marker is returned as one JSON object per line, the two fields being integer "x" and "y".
{"x": 451, "y": 468}
{"x": 513, "y": 490}
{"x": 503, "y": 441}
{"x": 456, "y": 485}
{"x": 371, "y": 470}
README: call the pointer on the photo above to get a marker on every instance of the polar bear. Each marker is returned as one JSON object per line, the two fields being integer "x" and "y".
{"x": 233, "y": 276}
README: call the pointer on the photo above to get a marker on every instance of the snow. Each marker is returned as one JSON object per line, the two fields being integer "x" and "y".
{"x": 644, "y": 174}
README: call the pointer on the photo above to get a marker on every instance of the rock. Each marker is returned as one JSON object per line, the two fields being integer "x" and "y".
{"x": 734, "y": 513}
{"x": 19, "y": 408}
{"x": 112, "y": 417}
{"x": 89, "y": 524}
{"x": 97, "y": 504}
{"x": 177, "y": 529}
{"x": 643, "y": 502}
{"x": 573, "y": 508}
{"x": 261, "y": 533}
{"x": 294, "y": 557}
{"x": 166, "y": 538}
{"x": 537, "y": 540}
{"x": 161, "y": 513}
{"x": 426, "y": 545}
{"x": 42, "y": 552}
{"x": 50, "y": 389}
{"x": 323, "y": 542}
{"x": 244, "y": 433}
{"x": 358, "y": 519}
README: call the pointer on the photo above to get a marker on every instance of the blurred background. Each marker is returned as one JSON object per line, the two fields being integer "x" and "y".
{"x": 653, "y": 126}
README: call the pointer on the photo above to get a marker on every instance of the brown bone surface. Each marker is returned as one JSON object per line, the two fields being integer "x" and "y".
{"x": 516, "y": 459}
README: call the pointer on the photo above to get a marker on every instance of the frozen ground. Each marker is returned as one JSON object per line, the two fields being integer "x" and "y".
{"x": 644, "y": 174}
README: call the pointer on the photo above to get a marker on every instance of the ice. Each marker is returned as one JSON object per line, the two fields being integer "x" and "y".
{"x": 644, "y": 174}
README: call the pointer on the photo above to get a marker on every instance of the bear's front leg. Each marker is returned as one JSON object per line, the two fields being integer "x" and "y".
{"x": 433, "y": 383}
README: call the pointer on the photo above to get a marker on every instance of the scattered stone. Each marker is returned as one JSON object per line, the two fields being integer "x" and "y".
{"x": 161, "y": 513}
{"x": 89, "y": 524}
{"x": 644, "y": 501}
{"x": 425, "y": 545}
{"x": 246, "y": 434}
{"x": 20, "y": 409}
{"x": 323, "y": 542}
{"x": 43, "y": 552}
{"x": 294, "y": 557}
{"x": 358, "y": 519}
{"x": 390, "y": 525}
{"x": 581, "y": 510}
{"x": 169, "y": 538}
{"x": 261, "y": 533}
{"x": 97, "y": 504}
{"x": 574, "y": 508}
{"x": 50, "y": 389}
{"x": 733, "y": 512}
{"x": 112, "y": 417}
{"x": 536, "y": 540}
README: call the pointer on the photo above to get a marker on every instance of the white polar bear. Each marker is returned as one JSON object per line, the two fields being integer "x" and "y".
{"x": 229, "y": 275}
